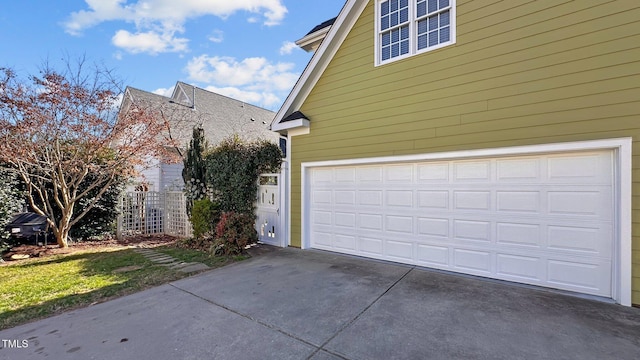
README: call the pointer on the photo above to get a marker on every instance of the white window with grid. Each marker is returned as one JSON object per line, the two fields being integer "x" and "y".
{"x": 409, "y": 27}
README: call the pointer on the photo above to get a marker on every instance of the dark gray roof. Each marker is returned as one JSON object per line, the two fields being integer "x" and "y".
{"x": 295, "y": 116}
{"x": 322, "y": 26}
{"x": 219, "y": 116}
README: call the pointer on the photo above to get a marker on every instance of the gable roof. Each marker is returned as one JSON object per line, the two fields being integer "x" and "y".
{"x": 319, "y": 61}
{"x": 219, "y": 116}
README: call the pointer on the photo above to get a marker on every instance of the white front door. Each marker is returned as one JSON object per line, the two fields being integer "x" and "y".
{"x": 545, "y": 220}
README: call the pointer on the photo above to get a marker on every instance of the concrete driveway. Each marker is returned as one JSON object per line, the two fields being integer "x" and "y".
{"x": 296, "y": 304}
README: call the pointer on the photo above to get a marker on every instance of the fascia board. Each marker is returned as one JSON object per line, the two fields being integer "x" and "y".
{"x": 290, "y": 125}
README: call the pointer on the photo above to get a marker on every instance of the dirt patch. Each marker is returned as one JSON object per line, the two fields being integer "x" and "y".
{"x": 35, "y": 251}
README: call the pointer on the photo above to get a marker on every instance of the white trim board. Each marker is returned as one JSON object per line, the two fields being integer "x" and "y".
{"x": 622, "y": 272}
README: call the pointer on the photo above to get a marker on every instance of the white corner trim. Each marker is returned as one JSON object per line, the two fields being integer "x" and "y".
{"x": 623, "y": 287}
{"x": 622, "y": 147}
{"x": 288, "y": 191}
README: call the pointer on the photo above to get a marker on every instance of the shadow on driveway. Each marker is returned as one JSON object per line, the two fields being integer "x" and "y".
{"x": 302, "y": 304}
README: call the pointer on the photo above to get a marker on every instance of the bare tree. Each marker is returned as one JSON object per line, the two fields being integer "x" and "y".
{"x": 60, "y": 126}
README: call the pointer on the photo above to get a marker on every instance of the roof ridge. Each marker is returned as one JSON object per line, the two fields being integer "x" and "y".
{"x": 224, "y": 96}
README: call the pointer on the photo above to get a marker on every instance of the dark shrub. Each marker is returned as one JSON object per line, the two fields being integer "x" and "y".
{"x": 233, "y": 233}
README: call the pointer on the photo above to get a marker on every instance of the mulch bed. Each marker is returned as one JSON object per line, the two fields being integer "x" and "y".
{"x": 143, "y": 241}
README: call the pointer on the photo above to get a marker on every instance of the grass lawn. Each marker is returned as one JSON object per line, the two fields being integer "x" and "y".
{"x": 40, "y": 287}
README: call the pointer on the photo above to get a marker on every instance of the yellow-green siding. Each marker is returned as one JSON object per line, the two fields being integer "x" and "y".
{"x": 521, "y": 73}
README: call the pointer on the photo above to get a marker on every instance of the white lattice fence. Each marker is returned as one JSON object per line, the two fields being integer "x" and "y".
{"x": 152, "y": 212}
{"x": 176, "y": 219}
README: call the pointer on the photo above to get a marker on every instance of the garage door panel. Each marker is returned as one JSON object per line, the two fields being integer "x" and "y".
{"x": 580, "y": 240}
{"x": 344, "y": 219}
{"x": 319, "y": 217}
{"x": 432, "y": 255}
{"x": 322, "y": 197}
{"x": 433, "y": 173}
{"x": 518, "y": 170}
{"x": 518, "y": 201}
{"x": 472, "y": 200}
{"x": 320, "y": 176}
{"x": 344, "y": 242}
{"x": 578, "y": 203}
{"x": 477, "y": 170}
{"x": 370, "y": 245}
{"x": 522, "y": 235}
{"x": 433, "y": 200}
{"x": 370, "y": 197}
{"x": 477, "y": 262}
{"x": 433, "y": 227}
{"x": 579, "y": 276}
{"x": 472, "y": 230}
{"x": 591, "y": 168}
{"x": 369, "y": 174}
{"x": 520, "y": 268}
{"x": 345, "y": 197}
{"x": 346, "y": 175}
{"x": 399, "y": 249}
{"x": 400, "y": 198}
{"x": 322, "y": 239}
{"x": 370, "y": 221}
{"x": 525, "y": 219}
{"x": 399, "y": 173}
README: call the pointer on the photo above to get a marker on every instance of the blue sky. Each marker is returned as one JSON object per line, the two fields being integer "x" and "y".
{"x": 239, "y": 48}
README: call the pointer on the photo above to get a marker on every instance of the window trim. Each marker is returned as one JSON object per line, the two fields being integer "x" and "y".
{"x": 413, "y": 33}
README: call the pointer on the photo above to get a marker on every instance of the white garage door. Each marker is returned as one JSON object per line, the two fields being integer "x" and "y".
{"x": 544, "y": 220}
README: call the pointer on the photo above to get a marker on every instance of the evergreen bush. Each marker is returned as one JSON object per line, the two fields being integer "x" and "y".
{"x": 11, "y": 202}
{"x": 205, "y": 214}
{"x": 194, "y": 171}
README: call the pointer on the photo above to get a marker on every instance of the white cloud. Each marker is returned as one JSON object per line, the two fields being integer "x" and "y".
{"x": 254, "y": 80}
{"x": 217, "y": 36}
{"x": 117, "y": 101}
{"x": 145, "y": 12}
{"x": 149, "y": 42}
{"x": 164, "y": 91}
{"x": 250, "y": 71}
{"x": 288, "y": 47}
{"x": 263, "y": 99}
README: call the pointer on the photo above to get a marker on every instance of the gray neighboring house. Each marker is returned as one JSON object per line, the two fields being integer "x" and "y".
{"x": 190, "y": 106}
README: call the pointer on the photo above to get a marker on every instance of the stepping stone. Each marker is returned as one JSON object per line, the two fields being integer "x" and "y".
{"x": 193, "y": 268}
{"x": 164, "y": 257}
{"x": 164, "y": 261}
{"x": 180, "y": 265}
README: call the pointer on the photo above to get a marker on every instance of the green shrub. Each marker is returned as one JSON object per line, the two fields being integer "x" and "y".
{"x": 205, "y": 214}
{"x": 101, "y": 219}
{"x": 11, "y": 202}
{"x": 233, "y": 169}
{"x": 194, "y": 169}
{"x": 234, "y": 232}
